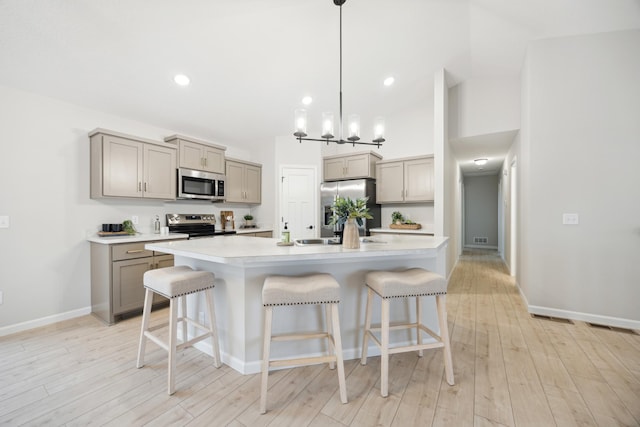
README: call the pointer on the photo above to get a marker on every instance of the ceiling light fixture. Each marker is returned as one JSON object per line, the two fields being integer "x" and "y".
{"x": 307, "y": 100}
{"x": 481, "y": 162}
{"x": 389, "y": 81}
{"x": 300, "y": 119}
{"x": 181, "y": 80}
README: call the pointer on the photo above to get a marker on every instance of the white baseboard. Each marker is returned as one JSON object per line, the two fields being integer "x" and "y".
{"x": 585, "y": 317}
{"x": 44, "y": 321}
{"x": 480, "y": 247}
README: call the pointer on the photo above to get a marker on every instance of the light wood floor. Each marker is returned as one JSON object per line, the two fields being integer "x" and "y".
{"x": 510, "y": 369}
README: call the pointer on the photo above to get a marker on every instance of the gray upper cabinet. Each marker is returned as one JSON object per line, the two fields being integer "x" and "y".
{"x": 128, "y": 166}
{"x": 198, "y": 155}
{"x": 244, "y": 182}
{"x": 408, "y": 180}
{"x": 352, "y": 166}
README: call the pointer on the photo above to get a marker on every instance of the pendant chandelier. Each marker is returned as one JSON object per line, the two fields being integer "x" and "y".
{"x": 327, "y": 136}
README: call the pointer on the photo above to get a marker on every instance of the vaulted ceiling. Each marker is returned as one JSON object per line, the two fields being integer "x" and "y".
{"x": 251, "y": 61}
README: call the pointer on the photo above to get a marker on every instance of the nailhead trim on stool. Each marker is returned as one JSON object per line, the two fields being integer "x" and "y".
{"x": 413, "y": 282}
{"x": 302, "y": 290}
{"x": 176, "y": 283}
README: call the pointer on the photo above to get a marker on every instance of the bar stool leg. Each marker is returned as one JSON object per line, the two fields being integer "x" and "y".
{"x": 328, "y": 322}
{"x": 173, "y": 324}
{"x": 384, "y": 357}
{"x": 213, "y": 327}
{"x": 418, "y": 322}
{"x": 183, "y": 309}
{"x": 338, "y": 351}
{"x": 268, "y": 316}
{"x": 367, "y": 326}
{"x": 146, "y": 313}
{"x": 444, "y": 336}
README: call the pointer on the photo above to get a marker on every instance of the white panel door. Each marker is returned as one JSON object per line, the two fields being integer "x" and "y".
{"x": 298, "y": 195}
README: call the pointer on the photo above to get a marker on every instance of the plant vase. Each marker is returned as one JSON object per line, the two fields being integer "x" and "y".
{"x": 350, "y": 237}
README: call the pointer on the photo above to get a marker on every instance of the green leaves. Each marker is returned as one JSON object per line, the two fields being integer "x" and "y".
{"x": 345, "y": 208}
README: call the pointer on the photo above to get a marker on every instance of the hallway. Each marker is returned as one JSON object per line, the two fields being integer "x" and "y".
{"x": 510, "y": 369}
{"x": 528, "y": 371}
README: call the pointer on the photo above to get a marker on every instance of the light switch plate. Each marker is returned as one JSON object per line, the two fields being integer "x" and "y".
{"x": 570, "y": 219}
{"x": 4, "y": 221}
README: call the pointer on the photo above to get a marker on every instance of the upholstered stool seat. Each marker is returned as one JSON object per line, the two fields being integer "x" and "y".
{"x": 413, "y": 282}
{"x": 176, "y": 283}
{"x": 302, "y": 290}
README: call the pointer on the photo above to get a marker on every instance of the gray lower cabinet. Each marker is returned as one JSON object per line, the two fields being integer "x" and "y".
{"x": 258, "y": 234}
{"x": 116, "y": 278}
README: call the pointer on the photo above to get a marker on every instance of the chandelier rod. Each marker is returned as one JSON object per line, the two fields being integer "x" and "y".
{"x": 301, "y": 136}
{"x": 341, "y": 72}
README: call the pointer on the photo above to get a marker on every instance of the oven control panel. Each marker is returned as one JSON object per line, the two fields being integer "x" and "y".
{"x": 190, "y": 219}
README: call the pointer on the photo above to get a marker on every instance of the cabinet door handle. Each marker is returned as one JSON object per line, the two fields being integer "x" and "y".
{"x": 139, "y": 186}
{"x": 137, "y": 251}
{"x": 145, "y": 186}
{"x": 205, "y": 161}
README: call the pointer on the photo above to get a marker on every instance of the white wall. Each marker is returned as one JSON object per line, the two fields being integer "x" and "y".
{"x": 446, "y": 172}
{"x": 481, "y": 210}
{"x": 408, "y": 133}
{"x": 482, "y": 106}
{"x": 579, "y": 154}
{"x": 507, "y": 201}
{"x": 44, "y": 188}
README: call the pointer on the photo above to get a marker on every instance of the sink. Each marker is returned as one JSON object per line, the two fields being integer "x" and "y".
{"x": 308, "y": 242}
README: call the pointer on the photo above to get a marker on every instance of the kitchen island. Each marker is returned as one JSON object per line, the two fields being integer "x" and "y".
{"x": 242, "y": 263}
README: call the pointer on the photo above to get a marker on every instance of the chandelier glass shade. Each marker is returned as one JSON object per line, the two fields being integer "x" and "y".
{"x": 353, "y": 121}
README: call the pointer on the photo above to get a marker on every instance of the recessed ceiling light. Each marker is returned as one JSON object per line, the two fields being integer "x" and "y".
{"x": 307, "y": 100}
{"x": 181, "y": 80}
{"x": 389, "y": 81}
{"x": 480, "y": 162}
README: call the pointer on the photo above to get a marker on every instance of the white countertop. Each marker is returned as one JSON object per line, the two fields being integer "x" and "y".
{"x": 253, "y": 251}
{"x": 134, "y": 238}
{"x": 427, "y": 229}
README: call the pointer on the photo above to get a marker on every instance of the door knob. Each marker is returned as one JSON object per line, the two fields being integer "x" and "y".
{"x": 310, "y": 227}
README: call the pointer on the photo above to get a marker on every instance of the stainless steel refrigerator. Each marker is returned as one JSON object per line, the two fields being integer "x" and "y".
{"x": 354, "y": 189}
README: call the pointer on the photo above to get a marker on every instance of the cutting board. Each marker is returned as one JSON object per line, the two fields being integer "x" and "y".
{"x": 223, "y": 219}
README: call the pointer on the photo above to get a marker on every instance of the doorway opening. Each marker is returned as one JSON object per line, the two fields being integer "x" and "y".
{"x": 513, "y": 218}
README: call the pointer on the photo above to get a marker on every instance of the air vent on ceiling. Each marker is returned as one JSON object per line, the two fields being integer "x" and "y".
{"x": 613, "y": 328}
{"x": 553, "y": 319}
{"x": 482, "y": 240}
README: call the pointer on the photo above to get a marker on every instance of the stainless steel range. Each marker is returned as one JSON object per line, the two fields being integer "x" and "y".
{"x": 195, "y": 225}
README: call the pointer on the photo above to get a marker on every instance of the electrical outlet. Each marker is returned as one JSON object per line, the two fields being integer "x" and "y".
{"x": 134, "y": 219}
{"x": 570, "y": 219}
{"x": 4, "y": 221}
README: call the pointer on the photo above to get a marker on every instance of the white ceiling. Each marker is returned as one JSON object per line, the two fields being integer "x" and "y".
{"x": 251, "y": 61}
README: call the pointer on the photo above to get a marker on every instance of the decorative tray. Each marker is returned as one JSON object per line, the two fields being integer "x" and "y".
{"x": 112, "y": 233}
{"x": 406, "y": 226}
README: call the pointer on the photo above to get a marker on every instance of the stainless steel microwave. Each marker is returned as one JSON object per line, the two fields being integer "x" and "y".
{"x": 194, "y": 184}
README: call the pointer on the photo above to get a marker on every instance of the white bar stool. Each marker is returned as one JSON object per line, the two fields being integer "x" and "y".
{"x": 414, "y": 282}
{"x": 176, "y": 283}
{"x": 297, "y": 290}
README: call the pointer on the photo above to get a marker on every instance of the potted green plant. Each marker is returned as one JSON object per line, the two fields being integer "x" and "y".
{"x": 346, "y": 213}
{"x": 248, "y": 220}
{"x": 397, "y": 218}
